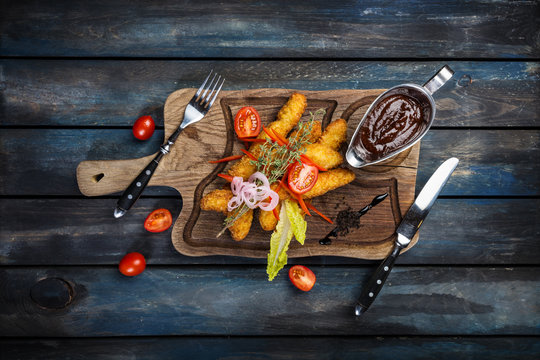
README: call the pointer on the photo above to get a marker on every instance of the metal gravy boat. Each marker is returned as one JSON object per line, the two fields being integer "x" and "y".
{"x": 357, "y": 156}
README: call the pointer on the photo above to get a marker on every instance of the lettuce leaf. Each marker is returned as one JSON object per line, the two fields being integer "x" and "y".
{"x": 291, "y": 222}
{"x": 298, "y": 224}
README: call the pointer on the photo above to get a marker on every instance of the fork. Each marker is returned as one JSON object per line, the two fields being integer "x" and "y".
{"x": 196, "y": 109}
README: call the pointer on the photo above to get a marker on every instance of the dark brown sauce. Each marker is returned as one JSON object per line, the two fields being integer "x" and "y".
{"x": 393, "y": 123}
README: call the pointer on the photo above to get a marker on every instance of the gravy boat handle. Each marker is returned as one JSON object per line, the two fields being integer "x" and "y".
{"x": 439, "y": 79}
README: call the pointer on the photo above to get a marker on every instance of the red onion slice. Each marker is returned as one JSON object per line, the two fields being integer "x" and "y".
{"x": 251, "y": 194}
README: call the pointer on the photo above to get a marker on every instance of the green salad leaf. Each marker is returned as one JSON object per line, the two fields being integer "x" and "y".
{"x": 291, "y": 222}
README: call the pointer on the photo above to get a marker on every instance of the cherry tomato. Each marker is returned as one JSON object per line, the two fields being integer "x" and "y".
{"x": 302, "y": 277}
{"x": 302, "y": 177}
{"x": 159, "y": 220}
{"x": 247, "y": 122}
{"x": 144, "y": 127}
{"x": 132, "y": 264}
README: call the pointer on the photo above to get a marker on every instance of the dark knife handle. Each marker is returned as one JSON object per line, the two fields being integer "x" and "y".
{"x": 376, "y": 282}
{"x": 135, "y": 189}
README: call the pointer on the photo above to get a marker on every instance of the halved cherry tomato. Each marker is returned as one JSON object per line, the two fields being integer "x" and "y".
{"x": 144, "y": 127}
{"x": 302, "y": 277}
{"x": 159, "y": 220}
{"x": 132, "y": 264}
{"x": 302, "y": 177}
{"x": 247, "y": 122}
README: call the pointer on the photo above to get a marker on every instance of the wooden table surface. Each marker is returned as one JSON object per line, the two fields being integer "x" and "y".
{"x": 75, "y": 75}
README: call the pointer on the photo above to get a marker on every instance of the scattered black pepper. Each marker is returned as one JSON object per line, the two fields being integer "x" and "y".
{"x": 348, "y": 219}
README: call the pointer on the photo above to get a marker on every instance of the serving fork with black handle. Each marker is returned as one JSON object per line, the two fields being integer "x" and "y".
{"x": 196, "y": 109}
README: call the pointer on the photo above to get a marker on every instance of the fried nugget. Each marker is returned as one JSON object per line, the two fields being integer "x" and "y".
{"x": 267, "y": 219}
{"x": 240, "y": 228}
{"x": 216, "y": 200}
{"x": 289, "y": 115}
{"x": 314, "y": 135}
{"x": 334, "y": 134}
{"x": 287, "y": 118}
{"x": 323, "y": 155}
{"x": 330, "y": 180}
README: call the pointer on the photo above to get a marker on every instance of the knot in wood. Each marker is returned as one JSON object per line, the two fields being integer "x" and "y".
{"x": 52, "y": 293}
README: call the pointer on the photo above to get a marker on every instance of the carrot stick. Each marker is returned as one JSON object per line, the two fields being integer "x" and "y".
{"x": 281, "y": 182}
{"x": 303, "y": 204}
{"x": 269, "y": 133}
{"x": 319, "y": 213}
{"x": 298, "y": 198}
{"x": 272, "y": 135}
{"x": 250, "y": 155}
{"x": 229, "y": 178}
{"x": 280, "y": 138}
{"x": 253, "y": 140}
{"x": 275, "y": 212}
{"x": 308, "y": 161}
{"x": 225, "y": 159}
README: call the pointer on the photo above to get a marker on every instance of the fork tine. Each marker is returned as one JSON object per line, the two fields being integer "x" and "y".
{"x": 216, "y": 94}
{"x": 207, "y": 88}
{"x": 207, "y": 98}
{"x": 204, "y": 83}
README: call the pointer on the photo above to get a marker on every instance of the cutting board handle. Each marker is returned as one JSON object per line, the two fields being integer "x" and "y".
{"x": 96, "y": 178}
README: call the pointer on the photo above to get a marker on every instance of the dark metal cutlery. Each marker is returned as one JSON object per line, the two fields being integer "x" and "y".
{"x": 196, "y": 109}
{"x": 406, "y": 230}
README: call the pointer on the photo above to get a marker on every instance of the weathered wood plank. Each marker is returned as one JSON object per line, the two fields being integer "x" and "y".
{"x": 47, "y": 159}
{"x": 382, "y": 348}
{"x": 493, "y": 162}
{"x": 115, "y": 93}
{"x": 227, "y": 300}
{"x": 245, "y": 29}
{"x": 68, "y": 232}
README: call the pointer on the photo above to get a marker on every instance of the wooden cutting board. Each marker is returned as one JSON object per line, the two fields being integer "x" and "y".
{"x": 187, "y": 170}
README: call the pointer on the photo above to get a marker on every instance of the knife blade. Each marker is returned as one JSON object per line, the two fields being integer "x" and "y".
{"x": 405, "y": 232}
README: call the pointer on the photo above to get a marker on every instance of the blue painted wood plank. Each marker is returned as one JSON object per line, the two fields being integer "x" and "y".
{"x": 83, "y": 232}
{"x": 115, "y": 93}
{"x": 279, "y": 348}
{"x": 313, "y": 29}
{"x": 493, "y": 162}
{"x": 240, "y": 301}
{"x": 47, "y": 159}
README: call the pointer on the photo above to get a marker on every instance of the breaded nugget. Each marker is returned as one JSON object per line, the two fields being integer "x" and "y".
{"x": 243, "y": 168}
{"x": 283, "y": 194}
{"x": 240, "y": 228}
{"x": 330, "y": 180}
{"x": 314, "y": 135}
{"x": 287, "y": 118}
{"x": 323, "y": 155}
{"x": 335, "y": 134}
{"x": 267, "y": 219}
{"x": 289, "y": 115}
{"x": 216, "y": 200}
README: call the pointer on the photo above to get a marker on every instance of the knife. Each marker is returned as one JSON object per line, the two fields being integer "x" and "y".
{"x": 405, "y": 232}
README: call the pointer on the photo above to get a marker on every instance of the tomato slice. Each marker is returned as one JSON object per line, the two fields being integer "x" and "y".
{"x": 247, "y": 122}
{"x": 302, "y": 277}
{"x": 132, "y": 264}
{"x": 302, "y": 177}
{"x": 159, "y": 220}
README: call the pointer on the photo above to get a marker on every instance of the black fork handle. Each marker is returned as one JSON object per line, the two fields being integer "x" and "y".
{"x": 136, "y": 188}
